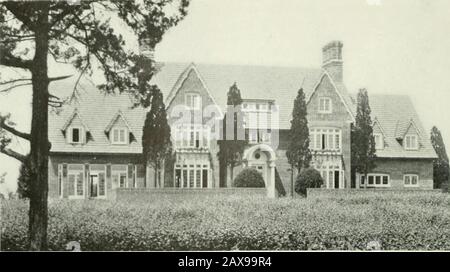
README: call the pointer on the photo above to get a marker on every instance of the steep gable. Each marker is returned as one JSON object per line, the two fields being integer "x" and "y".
{"x": 326, "y": 88}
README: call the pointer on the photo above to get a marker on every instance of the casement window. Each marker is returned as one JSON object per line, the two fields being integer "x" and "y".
{"x": 75, "y": 178}
{"x": 194, "y": 101}
{"x": 75, "y": 135}
{"x": 325, "y": 105}
{"x": 119, "y": 175}
{"x": 411, "y": 180}
{"x": 253, "y": 136}
{"x": 375, "y": 180}
{"x": 379, "y": 141}
{"x": 191, "y": 176}
{"x": 192, "y": 136}
{"x": 119, "y": 136}
{"x": 325, "y": 139}
{"x": 411, "y": 142}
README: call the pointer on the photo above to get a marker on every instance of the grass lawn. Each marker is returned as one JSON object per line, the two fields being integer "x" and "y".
{"x": 192, "y": 222}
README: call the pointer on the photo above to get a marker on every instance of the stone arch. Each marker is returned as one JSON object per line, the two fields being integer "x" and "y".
{"x": 262, "y": 157}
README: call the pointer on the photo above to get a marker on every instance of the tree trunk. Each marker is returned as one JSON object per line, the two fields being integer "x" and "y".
{"x": 39, "y": 144}
{"x": 156, "y": 175}
{"x": 292, "y": 181}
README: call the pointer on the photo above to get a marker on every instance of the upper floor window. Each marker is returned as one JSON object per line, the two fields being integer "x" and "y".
{"x": 411, "y": 180}
{"x": 325, "y": 105}
{"x": 75, "y": 135}
{"x": 379, "y": 141}
{"x": 194, "y": 101}
{"x": 325, "y": 139}
{"x": 119, "y": 136}
{"x": 196, "y": 136}
{"x": 411, "y": 142}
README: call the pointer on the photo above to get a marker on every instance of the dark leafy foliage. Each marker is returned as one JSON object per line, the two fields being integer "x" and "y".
{"x": 308, "y": 178}
{"x": 441, "y": 169}
{"x": 249, "y": 177}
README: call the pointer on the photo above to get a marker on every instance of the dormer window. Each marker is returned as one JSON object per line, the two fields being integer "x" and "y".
{"x": 325, "y": 105}
{"x": 379, "y": 141}
{"x": 75, "y": 135}
{"x": 194, "y": 101}
{"x": 119, "y": 136}
{"x": 411, "y": 142}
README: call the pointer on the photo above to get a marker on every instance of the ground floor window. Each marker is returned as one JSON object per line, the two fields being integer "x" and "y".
{"x": 75, "y": 177}
{"x": 332, "y": 175}
{"x": 411, "y": 180}
{"x": 119, "y": 175}
{"x": 191, "y": 175}
{"x": 375, "y": 180}
{"x": 60, "y": 180}
{"x": 97, "y": 180}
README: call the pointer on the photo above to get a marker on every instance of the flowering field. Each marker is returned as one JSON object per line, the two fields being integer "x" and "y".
{"x": 177, "y": 222}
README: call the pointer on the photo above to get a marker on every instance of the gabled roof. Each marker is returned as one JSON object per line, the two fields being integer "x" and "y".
{"x": 96, "y": 109}
{"x": 114, "y": 120}
{"x": 377, "y": 123}
{"x": 255, "y": 82}
{"x": 340, "y": 89}
{"x": 74, "y": 115}
{"x": 395, "y": 113}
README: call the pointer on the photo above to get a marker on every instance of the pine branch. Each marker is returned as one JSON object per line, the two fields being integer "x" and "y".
{"x": 13, "y": 154}
{"x": 12, "y": 130}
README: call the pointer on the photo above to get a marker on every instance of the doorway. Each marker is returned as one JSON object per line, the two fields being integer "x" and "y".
{"x": 94, "y": 185}
{"x": 336, "y": 179}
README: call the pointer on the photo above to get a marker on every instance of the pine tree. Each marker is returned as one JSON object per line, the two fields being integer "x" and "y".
{"x": 84, "y": 35}
{"x": 298, "y": 153}
{"x": 231, "y": 150}
{"x": 441, "y": 164}
{"x": 363, "y": 142}
{"x": 156, "y": 143}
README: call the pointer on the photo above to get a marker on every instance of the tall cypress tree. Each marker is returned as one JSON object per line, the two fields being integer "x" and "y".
{"x": 298, "y": 153}
{"x": 156, "y": 143}
{"x": 231, "y": 150}
{"x": 363, "y": 142}
{"x": 440, "y": 165}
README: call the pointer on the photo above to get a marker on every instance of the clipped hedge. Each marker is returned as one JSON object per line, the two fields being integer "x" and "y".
{"x": 249, "y": 178}
{"x": 409, "y": 222}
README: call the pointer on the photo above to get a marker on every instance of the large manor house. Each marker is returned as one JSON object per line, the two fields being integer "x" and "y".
{"x": 96, "y": 140}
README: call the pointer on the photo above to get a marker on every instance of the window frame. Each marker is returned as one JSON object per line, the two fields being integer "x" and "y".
{"x": 374, "y": 185}
{"x": 378, "y": 145}
{"x": 186, "y": 170}
{"x": 76, "y": 174}
{"x": 410, "y": 176}
{"x": 80, "y": 135}
{"x": 416, "y": 142}
{"x": 324, "y": 109}
{"x": 190, "y": 99}
{"x": 119, "y": 142}
{"x": 317, "y": 135}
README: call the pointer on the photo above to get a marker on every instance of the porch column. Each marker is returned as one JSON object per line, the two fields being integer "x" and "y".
{"x": 271, "y": 180}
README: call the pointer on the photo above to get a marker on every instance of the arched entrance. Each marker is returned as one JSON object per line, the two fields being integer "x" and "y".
{"x": 262, "y": 158}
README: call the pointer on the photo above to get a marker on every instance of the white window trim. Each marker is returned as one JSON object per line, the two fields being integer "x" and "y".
{"x": 119, "y": 142}
{"x": 412, "y": 136}
{"x": 330, "y": 109}
{"x": 118, "y": 172}
{"x": 313, "y": 132}
{"x": 375, "y": 185}
{"x": 76, "y": 173}
{"x": 190, "y": 101}
{"x": 410, "y": 180}
{"x": 60, "y": 181}
{"x": 97, "y": 172}
{"x": 381, "y": 146}
{"x": 202, "y": 131}
{"x": 196, "y": 167}
{"x": 80, "y": 136}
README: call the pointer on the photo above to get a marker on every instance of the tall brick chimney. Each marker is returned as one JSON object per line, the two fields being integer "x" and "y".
{"x": 145, "y": 48}
{"x": 332, "y": 60}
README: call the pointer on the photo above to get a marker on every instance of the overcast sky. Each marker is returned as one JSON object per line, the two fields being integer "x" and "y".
{"x": 395, "y": 47}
